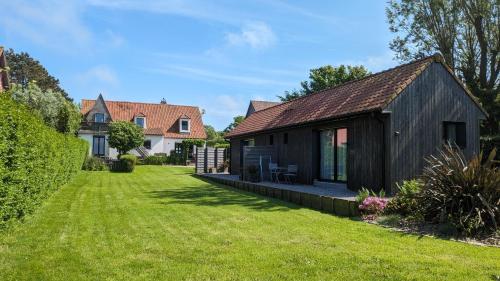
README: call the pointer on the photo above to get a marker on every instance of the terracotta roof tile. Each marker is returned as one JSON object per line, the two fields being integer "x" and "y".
{"x": 161, "y": 119}
{"x": 368, "y": 94}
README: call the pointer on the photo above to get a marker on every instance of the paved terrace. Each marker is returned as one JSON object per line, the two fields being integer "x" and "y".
{"x": 332, "y": 198}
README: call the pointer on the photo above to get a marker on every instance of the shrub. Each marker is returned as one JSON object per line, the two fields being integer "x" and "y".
{"x": 488, "y": 143}
{"x": 405, "y": 202}
{"x": 364, "y": 193}
{"x": 94, "y": 163}
{"x": 175, "y": 158}
{"x": 126, "y": 163}
{"x": 34, "y": 160}
{"x": 221, "y": 145}
{"x": 253, "y": 173}
{"x": 154, "y": 160}
{"x": 465, "y": 195}
{"x": 373, "y": 205}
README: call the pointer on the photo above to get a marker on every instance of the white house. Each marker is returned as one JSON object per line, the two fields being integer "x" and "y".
{"x": 165, "y": 125}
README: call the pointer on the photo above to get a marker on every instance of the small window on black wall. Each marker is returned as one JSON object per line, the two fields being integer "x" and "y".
{"x": 285, "y": 138}
{"x": 271, "y": 139}
{"x": 147, "y": 144}
{"x": 455, "y": 133}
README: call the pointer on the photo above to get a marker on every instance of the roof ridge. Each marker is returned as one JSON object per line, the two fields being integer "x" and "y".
{"x": 433, "y": 57}
{"x": 151, "y": 103}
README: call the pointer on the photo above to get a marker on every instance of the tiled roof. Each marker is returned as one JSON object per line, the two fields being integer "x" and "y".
{"x": 259, "y": 105}
{"x": 161, "y": 119}
{"x": 364, "y": 95}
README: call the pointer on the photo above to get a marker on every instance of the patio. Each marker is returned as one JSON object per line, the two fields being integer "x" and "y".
{"x": 328, "y": 197}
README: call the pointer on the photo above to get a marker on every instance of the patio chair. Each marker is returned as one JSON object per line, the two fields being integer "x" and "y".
{"x": 291, "y": 173}
{"x": 273, "y": 171}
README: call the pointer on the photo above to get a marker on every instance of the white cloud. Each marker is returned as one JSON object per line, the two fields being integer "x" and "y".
{"x": 257, "y": 35}
{"x": 56, "y": 24}
{"x": 100, "y": 73}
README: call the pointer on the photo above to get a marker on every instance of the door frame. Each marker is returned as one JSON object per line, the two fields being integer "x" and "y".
{"x": 94, "y": 138}
{"x": 335, "y": 155}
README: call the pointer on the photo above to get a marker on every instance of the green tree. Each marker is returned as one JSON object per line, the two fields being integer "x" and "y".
{"x": 213, "y": 137}
{"x": 465, "y": 32}
{"x": 56, "y": 111}
{"x": 24, "y": 69}
{"x": 125, "y": 136}
{"x": 326, "y": 77}
{"x": 236, "y": 121}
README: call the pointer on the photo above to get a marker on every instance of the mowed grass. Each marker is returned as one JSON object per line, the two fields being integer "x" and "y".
{"x": 162, "y": 223}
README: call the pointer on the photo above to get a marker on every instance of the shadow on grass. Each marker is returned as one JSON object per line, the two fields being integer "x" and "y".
{"x": 215, "y": 194}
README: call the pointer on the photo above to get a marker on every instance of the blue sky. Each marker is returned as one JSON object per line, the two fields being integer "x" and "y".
{"x": 214, "y": 54}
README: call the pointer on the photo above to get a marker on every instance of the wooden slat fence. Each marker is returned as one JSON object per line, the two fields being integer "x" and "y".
{"x": 208, "y": 158}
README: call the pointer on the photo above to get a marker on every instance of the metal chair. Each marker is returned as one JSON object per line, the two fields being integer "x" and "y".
{"x": 273, "y": 170}
{"x": 291, "y": 173}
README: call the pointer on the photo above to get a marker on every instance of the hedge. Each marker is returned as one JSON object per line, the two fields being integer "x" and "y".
{"x": 34, "y": 160}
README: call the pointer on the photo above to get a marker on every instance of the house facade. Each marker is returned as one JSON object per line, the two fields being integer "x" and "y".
{"x": 165, "y": 125}
{"x": 373, "y": 132}
{"x": 4, "y": 78}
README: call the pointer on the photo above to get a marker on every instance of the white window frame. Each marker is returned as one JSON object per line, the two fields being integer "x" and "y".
{"x": 103, "y": 117}
{"x": 140, "y": 117}
{"x": 189, "y": 125}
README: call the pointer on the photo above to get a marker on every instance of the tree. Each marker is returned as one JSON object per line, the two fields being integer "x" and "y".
{"x": 465, "y": 32}
{"x": 236, "y": 121}
{"x": 50, "y": 106}
{"x": 213, "y": 137}
{"x": 24, "y": 69}
{"x": 326, "y": 77}
{"x": 125, "y": 136}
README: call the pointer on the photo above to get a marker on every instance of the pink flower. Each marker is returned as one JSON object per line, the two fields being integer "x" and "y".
{"x": 373, "y": 205}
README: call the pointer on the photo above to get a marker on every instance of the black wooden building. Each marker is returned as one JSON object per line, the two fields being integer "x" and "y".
{"x": 373, "y": 132}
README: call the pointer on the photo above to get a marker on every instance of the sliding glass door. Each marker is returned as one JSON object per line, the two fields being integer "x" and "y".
{"x": 333, "y": 154}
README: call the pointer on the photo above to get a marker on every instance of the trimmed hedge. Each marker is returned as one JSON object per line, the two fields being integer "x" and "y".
{"x": 35, "y": 160}
{"x": 126, "y": 163}
{"x": 154, "y": 160}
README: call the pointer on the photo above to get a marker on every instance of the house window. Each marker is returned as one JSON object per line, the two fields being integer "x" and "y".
{"x": 285, "y": 138}
{"x": 271, "y": 139}
{"x": 99, "y": 117}
{"x": 147, "y": 144}
{"x": 140, "y": 121}
{"x": 455, "y": 133}
{"x": 178, "y": 148}
{"x": 185, "y": 125}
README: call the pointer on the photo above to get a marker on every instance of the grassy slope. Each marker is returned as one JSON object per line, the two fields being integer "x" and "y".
{"x": 162, "y": 223}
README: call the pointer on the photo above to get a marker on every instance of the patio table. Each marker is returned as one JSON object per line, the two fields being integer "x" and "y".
{"x": 280, "y": 170}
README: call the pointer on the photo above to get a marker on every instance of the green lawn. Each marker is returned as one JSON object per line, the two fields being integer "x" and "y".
{"x": 161, "y": 223}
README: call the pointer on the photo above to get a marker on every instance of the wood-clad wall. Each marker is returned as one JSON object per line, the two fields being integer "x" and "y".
{"x": 365, "y": 152}
{"x": 418, "y": 114}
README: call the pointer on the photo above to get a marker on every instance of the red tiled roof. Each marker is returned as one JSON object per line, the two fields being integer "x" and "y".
{"x": 259, "y": 105}
{"x": 161, "y": 119}
{"x": 364, "y": 95}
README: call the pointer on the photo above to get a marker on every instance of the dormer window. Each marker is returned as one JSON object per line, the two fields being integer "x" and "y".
{"x": 185, "y": 125}
{"x": 140, "y": 121}
{"x": 99, "y": 117}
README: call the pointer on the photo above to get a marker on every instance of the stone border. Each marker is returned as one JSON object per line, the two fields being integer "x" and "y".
{"x": 327, "y": 204}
